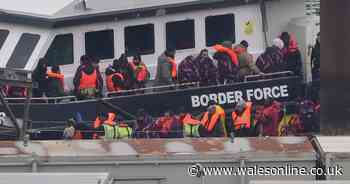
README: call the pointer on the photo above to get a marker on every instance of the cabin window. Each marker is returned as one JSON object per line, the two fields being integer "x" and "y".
{"x": 219, "y": 28}
{"x": 100, "y": 44}
{"x": 23, "y": 50}
{"x": 139, "y": 39}
{"x": 3, "y": 36}
{"x": 61, "y": 50}
{"x": 180, "y": 35}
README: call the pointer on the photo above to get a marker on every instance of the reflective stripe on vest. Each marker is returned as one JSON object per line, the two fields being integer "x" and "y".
{"x": 244, "y": 119}
{"x": 88, "y": 81}
{"x": 191, "y": 126}
{"x": 110, "y": 131}
{"x": 110, "y": 121}
{"x": 123, "y": 132}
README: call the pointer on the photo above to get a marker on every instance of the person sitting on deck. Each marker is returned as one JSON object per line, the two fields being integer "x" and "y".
{"x": 242, "y": 119}
{"x": 113, "y": 130}
{"x": 55, "y": 82}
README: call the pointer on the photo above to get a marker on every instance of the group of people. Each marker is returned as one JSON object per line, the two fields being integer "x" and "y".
{"x": 246, "y": 119}
{"x": 229, "y": 64}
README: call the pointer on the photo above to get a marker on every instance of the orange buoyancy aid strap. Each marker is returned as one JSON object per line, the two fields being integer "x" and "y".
{"x": 189, "y": 120}
{"x": 173, "y": 68}
{"x": 244, "y": 119}
{"x": 55, "y": 75}
{"x": 228, "y": 51}
{"x": 210, "y": 124}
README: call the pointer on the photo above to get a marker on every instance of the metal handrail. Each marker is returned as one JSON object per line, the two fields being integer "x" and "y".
{"x": 267, "y": 75}
{"x": 74, "y": 98}
{"x": 153, "y": 88}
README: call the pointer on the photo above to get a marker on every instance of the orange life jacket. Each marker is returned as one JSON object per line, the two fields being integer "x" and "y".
{"x": 88, "y": 81}
{"x": 189, "y": 120}
{"x": 173, "y": 68}
{"x": 228, "y": 51}
{"x": 111, "y": 87}
{"x": 78, "y": 135}
{"x": 110, "y": 121}
{"x": 215, "y": 118}
{"x": 243, "y": 119}
{"x": 58, "y": 76}
{"x": 141, "y": 71}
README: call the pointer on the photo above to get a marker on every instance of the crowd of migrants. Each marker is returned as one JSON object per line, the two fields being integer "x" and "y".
{"x": 230, "y": 64}
{"x": 246, "y": 120}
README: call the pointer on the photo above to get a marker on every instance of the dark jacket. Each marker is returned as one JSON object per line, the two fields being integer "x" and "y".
{"x": 208, "y": 72}
{"x": 188, "y": 71}
{"x": 227, "y": 71}
{"x": 163, "y": 75}
{"x": 316, "y": 61}
{"x": 271, "y": 60}
{"x": 246, "y": 63}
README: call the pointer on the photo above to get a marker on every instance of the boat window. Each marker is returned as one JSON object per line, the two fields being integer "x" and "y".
{"x": 100, "y": 44}
{"x": 139, "y": 39}
{"x": 61, "y": 50}
{"x": 219, "y": 28}
{"x": 180, "y": 35}
{"x": 23, "y": 50}
{"x": 3, "y": 36}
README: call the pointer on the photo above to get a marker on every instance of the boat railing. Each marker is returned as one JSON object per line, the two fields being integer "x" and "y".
{"x": 154, "y": 88}
{"x": 267, "y": 75}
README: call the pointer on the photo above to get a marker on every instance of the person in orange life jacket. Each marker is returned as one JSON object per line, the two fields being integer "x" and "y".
{"x": 214, "y": 121}
{"x": 164, "y": 124}
{"x": 101, "y": 118}
{"x": 192, "y": 126}
{"x": 55, "y": 82}
{"x": 124, "y": 67}
{"x": 291, "y": 52}
{"x": 228, "y": 64}
{"x": 166, "y": 68}
{"x": 114, "y": 80}
{"x": 141, "y": 73}
{"x": 242, "y": 118}
{"x": 271, "y": 117}
{"x": 88, "y": 82}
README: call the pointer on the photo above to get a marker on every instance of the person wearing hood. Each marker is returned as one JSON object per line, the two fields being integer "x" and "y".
{"x": 271, "y": 117}
{"x": 214, "y": 121}
{"x": 228, "y": 64}
{"x": 242, "y": 118}
{"x": 291, "y": 53}
{"x": 246, "y": 62}
{"x": 208, "y": 72}
{"x": 40, "y": 77}
{"x": 166, "y": 68}
{"x": 188, "y": 71}
{"x": 272, "y": 60}
{"x": 125, "y": 68}
{"x": 88, "y": 82}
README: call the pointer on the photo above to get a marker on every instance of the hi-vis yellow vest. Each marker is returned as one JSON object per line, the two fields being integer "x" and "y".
{"x": 117, "y": 132}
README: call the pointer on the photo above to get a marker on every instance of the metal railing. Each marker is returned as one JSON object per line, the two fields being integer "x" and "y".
{"x": 264, "y": 76}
